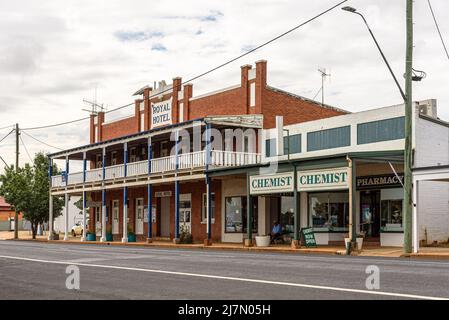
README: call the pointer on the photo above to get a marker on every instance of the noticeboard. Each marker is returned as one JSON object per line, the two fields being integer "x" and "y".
{"x": 308, "y": 237}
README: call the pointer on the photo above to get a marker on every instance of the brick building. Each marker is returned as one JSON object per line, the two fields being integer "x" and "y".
{"x": 143, "y": 172}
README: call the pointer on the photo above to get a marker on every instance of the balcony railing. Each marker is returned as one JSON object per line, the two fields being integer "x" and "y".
{"x": 186, "y": 161}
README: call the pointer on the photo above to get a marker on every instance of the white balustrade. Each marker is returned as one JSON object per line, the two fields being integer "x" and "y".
{"x": 75, "y": 178}
{"x": 137, "y": 168}
{"x": 164, "y": 164}
{"x": 56, "y": 181}
{"x": 219, "y": 158}
{"x": 114, "y": 172}
{"x": 94, "y": 175}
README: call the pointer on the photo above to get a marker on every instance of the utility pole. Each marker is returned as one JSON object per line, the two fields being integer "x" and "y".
{"x": 16, "y": 214}
{"x": 408, "y": 132}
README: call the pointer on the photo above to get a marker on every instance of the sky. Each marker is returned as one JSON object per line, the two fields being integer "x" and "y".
{"x": 54, "y": 54}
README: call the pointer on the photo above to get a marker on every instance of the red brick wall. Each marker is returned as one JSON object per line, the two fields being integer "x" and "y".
{"x": 227, "y": 102}
{"x": 293, "y": 109}
{"x": 119, "y": 128}
{"x": 196, "y": 189}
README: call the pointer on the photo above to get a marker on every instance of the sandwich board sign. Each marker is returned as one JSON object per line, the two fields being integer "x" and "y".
{"x": 308, "y": 237}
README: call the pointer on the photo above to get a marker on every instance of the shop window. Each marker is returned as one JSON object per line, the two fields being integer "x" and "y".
{"x": 287, "y": 217}
{"x": 329, "y": 211}
{"x": 236, "y": 214}
{"x": 382, "y": 130}
{"x": 328, "y": 139}
{"x": 391, "y": 215}
{"x": 295, "y": 144}
{"x": 270, "y": 147}
{"x": 204, "y": 207}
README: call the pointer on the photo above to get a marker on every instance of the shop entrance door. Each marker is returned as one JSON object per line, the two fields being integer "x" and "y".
{"x": 164, "y": 217}
{"x": 139, "y": 216}
{"x": 115, "y": 216}
{"x": 370, "y": 212}
{"x": 185, "y": 209}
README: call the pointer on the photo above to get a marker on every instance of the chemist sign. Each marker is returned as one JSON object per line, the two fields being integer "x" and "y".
{"x": 277, "y": 183}
{"x": 161, "y": 113}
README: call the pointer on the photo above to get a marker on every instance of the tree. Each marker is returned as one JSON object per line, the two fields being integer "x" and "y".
{"x": 28, "y": 191}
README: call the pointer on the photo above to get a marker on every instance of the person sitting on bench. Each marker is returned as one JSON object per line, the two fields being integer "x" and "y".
{"x": 276, "y": 231}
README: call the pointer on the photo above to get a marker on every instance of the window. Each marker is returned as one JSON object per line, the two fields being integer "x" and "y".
{"x": 329, "y": 211}
{"x": 295, "y": 144}
{"x": 142, "y": 122}
{"x": 99, "y": 161}
{"x": 236, "y": 217}
{"x": 287, "y": 216}
{"x": 132, "y": 155}
{"x": 113, "y": 158}
{"x": 96, "y": 134}
{"x": 204, "y": 207}
{"x": 382, "y": 130}
{"x": 328, "y": 139}
{"x": 252, "y": 94}
{"x": 181, "y": 112}
{"x": 391, "y": 215}
{"x": 270, "y": 147}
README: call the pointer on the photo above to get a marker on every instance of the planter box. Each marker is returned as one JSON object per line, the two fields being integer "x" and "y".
{"x": 131, "y": 238}
{"x": 263, "y": 241}
{"x": 359, "y": 243}
{"x": 91, "y": 237}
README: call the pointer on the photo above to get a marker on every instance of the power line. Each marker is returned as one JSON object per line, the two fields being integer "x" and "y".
{"x": 438, "y": 28}
{"x": 24, "y": 146}
{"x": 7, "y": 135}
{"x": 11, "y": 125}
{"x": 48, "y": 145}
{"x": 210, "y": 70}
{"x": 6, "y": 165}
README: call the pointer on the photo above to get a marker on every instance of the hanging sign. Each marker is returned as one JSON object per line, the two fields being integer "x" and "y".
{"x": 161, "y": 113}
{"x": 161, "y": 194}
{"x": 276, "y": 183}
{"x": 323, "y": 179}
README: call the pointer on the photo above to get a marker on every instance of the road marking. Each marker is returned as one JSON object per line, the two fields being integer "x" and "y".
{"x": 290, "y": 284}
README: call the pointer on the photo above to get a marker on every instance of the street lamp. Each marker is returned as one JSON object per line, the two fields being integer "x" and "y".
{"x": 353, "y": 10}
{"x": 407, "y": 96}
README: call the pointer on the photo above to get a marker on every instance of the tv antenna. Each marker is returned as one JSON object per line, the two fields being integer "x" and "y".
{"x": 94, "y": 106}
{"x": 324, "y": 74}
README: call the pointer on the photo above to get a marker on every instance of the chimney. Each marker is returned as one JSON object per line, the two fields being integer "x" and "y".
{"x": 175, "y": 107}
{"x": 245, "y": 87}
{"x": 261, "y": 83}
{"x": 188, "y": 92}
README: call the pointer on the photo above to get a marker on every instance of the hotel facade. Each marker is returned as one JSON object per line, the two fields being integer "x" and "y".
{"x": 222, "y": 167}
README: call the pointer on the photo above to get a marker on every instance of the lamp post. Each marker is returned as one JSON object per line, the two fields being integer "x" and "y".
{"x": 407, "y": 97}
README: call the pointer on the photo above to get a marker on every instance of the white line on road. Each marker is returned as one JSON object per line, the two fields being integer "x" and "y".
{"x": 290, "y": 284}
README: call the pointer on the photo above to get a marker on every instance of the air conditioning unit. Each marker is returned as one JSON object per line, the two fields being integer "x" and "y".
{"x": 428, "y": 108}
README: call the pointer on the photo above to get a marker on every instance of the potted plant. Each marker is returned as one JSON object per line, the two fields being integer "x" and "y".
{"x": 263, "y": 240}
{"x": 359, "y": 239}
{"x": 185, "y": 236}
{"x": 131, "y": 234}
{"x": 109, "y": 236}
{"x": 91, "y": 236}
{"x": 55, "y": 235}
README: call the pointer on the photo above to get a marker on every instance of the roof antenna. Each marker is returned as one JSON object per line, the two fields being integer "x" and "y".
{"x": 323, "y": 73}
{"x": 93, "y": 104}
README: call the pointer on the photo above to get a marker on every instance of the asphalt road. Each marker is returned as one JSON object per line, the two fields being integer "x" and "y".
{"x": 32, "y": 270}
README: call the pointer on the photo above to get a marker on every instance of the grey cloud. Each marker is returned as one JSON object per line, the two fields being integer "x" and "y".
{"x": 158, "y": 47}
{"x": 128, "y": 36}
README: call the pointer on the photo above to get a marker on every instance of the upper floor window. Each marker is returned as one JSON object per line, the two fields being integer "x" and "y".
{"x": 113, "y": 158}
{"x": 381, "y": 130}
{"x": 99, "y": 161}
{"x": 329, "y": 138}
{"x": 270, "y": 147}
{"x": 295, "y": 144}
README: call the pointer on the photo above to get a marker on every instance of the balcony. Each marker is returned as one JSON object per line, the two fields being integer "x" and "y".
{"x": 187, "y": 162}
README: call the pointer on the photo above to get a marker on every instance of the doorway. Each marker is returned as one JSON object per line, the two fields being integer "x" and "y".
{"x": 115, "y": 216}
{"x": 370, "y": 212}
{"x": 185, "y": 209}
{"x": 163, "y": 215}
{"x": 139, "y": 216}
